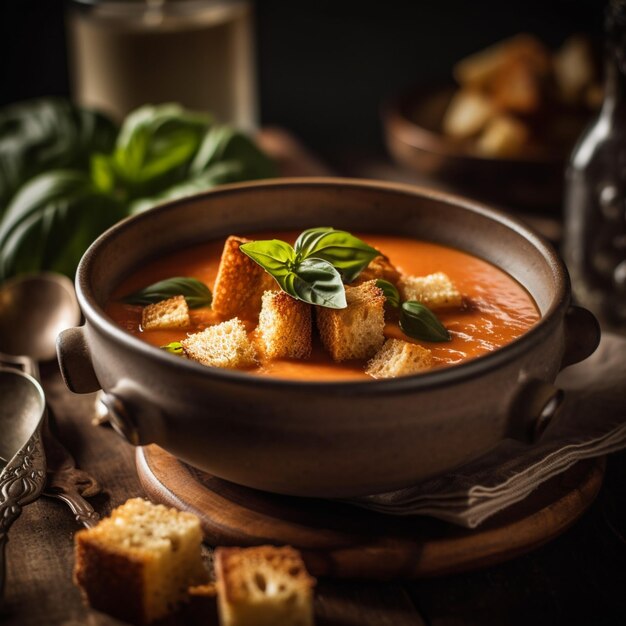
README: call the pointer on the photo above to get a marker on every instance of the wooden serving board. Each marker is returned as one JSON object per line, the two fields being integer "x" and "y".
{"x": 338, "y": 540}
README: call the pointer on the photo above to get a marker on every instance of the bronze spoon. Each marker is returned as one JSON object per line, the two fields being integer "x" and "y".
{"x": 33, "y": 310}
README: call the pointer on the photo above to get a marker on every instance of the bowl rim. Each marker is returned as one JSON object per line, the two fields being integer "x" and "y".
{"x": 399, "y": 127}
{"x": 95, "y": 315}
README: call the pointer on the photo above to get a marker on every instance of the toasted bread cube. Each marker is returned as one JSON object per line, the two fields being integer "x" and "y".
{"x": 480, "y": 68}
{"x": 170, "y": 313}
{"x": 436, "y": 291}
{"x": 263, "y": 586}
{"x": 399, "y": 358}
{"x": 138, "y": 563}
{"x": 467, "y": 114}
{"x": 240, "y": 283}
{"x": 504, "y": 136}
{"x": 355, "y": 332}
{"x": 517, "y": 88}
{"x": 379, "y": 268}
{"x": 284, "y": 326}
{"x": 574, "y": 69}
{"x": 223, "y": 345}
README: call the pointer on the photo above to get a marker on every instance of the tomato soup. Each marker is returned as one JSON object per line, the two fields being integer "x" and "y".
{"x": 497, "y": 308}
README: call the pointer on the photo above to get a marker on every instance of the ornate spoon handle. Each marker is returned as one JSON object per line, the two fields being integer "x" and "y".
{"x": 21, "y": 482}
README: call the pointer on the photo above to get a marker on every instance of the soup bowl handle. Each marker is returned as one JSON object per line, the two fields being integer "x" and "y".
{"x": 75, "y": 363}
{"x": 582, "y": 335}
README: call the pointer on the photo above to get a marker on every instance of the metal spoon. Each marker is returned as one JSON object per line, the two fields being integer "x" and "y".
{"x": 22, "y": 409}
{"x": 33, "y": 310}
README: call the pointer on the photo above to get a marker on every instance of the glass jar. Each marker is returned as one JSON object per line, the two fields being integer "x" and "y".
{"x": 199, "y": 53}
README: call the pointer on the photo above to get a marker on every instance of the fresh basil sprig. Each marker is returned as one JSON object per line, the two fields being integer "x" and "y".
{"x": 416, "y": 320}
{"x": 309, "y": 279}
{"x": 175, "y": 347}
{"x": 347, "y": 254}
{"x": 196, "y": 293}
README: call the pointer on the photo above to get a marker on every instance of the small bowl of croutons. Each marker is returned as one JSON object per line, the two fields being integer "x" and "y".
{"x": 504, "y": 132}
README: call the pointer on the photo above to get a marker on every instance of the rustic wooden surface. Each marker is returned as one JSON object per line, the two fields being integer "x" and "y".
{"x": 341, "y": 541}
{"x": 579, "y": 578}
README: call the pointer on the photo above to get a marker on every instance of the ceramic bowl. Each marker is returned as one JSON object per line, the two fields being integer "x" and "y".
{"x": 531, "y": 181}
{"x": 327, "y": 439}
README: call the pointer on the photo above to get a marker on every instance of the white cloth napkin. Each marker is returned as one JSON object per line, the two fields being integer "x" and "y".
{"x": 591, "y": 423}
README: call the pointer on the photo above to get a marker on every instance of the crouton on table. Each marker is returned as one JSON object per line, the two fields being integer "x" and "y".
{"x": 436, "y": 291}
{"x": 222, "y": 345}
{"x": 138, "y": 563}
{"x": 399, "y": 358}
{"x": 355, "y": 332}
{"x": 170, "y": 313}
{"x": 240, "y": 283}
{"x": 263, "y": 586}
{"x": 284, "y": 326}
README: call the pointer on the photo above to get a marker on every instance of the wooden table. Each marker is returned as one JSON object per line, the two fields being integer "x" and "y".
{"x": 580, "y": 578}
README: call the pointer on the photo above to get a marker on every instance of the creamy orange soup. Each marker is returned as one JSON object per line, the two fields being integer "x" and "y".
{"x": 498, "y": 309}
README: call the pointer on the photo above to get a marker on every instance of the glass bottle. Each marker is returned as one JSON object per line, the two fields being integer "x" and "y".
{"x": 595, "y": 197}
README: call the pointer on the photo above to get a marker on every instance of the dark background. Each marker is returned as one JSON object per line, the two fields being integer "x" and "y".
{"x": 323, "y": 67}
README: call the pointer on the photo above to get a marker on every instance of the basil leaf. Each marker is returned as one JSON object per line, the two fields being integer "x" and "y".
{"x": 175, "y": 347}
{"x": 52, "y": 221}
{"x": 344, "y": 251}
{"x": 44, "y": 134}
{"x": 317, "y": 282}
{"x": 274, "y": 256}
{"x": 225, "y": 144}
{"x": 391, "y": 292}
{"x": 196, "y": 293}
{"x": 217, "y": 174}
{"x": 314, "y": 281}
{"x": 420, "y": 322}
{"x": 155, "y": 148}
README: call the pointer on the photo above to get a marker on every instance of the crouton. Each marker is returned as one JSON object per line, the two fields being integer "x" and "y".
{"x": 517, "y": 88}
{"x": 355, "y": 332}
{"x": 480, "y": 68}
{"x": 504, "y": 136}
{"x": 170, "y": 313}
{"x": 379, "y": 268}
{"x": 574, "y": 68}
{"x": 399, "y": 358}
{"x": 222, "y": 345}
{"x": 467, "y": 114}
{"x": 436, "y": 291}
{"x": 240, "y": 283}
{"x": 263, "y": 586}
{"x": 138, "y": 563}
{"x": 284, "y": 326}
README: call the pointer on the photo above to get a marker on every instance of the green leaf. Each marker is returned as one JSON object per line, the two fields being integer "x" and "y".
{"x": 275, "y": 256}
{"x": 344, "y": 251}
{"x": 225, "y": 144}
{"x": 420, "y": 322}
{"x": 196, "y": 293}
{"x": 314, "y": 281}
{"x": 52, "y": 221}
{"x": 45, "y": 134}
{"x": 217, "y": 174}
{"x": 317, "y": 282}
{"x": 175, "y": 347}
{"x": 391, "y": 292}
{"x": 156, "y": 146}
